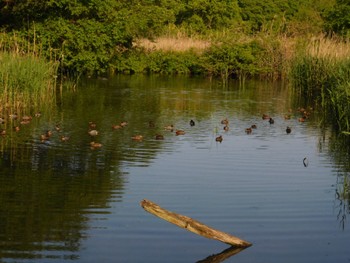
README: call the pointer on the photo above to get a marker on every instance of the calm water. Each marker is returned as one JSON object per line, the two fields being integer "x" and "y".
{"x": 63, "y": 201}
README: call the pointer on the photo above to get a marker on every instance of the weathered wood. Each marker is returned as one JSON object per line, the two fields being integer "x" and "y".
{"x": 192, "y": 225}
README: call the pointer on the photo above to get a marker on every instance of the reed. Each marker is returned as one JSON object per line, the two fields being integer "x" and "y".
{"x": 27, "y": 82}
{"x": 321, "y": 70}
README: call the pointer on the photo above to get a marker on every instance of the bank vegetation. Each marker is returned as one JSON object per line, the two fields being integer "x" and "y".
{"x": 305, "y": 41}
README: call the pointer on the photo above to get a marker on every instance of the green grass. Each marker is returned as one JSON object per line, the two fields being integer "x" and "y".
{"x": 324, "y": 76}
{"x": 26, "y": 82}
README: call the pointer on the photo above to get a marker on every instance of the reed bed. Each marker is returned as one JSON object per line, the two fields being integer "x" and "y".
{"x": 26, "y": 81}
{"x": 322, "y": 71}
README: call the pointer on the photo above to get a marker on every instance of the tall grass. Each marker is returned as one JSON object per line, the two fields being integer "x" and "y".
{"x": 27, "y": 81}
{"x": 321, "y": 70}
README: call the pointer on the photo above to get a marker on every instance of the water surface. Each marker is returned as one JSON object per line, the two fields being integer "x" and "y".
{"x": 63, "y": 201}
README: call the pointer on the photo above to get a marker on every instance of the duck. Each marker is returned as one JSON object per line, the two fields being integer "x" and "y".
{"x": 2, "y": 132}
{"x": 271, "y": 121}
{"x": 287, "y": 116}
{"x": 95, "y": 145}
{"x": 49, "y": 133}
{"x": 265, "y": 117}
{"x": 225, "y": 121}
{"x": 180, "y": 132}
{"x": 37, "y": 114}
{"x": 137, "y": 137}
{"x": 253, "y": 126}
{"x": 45, "y": 136}
{"x": 92, "y": 125}
{"x": 57, "y": 127}
{"x": 93, "y": 132}
{"x": 159, "y": 137}
{"x": 116, "y": 127}
{"x": 288, "y": 130}
{"x": 302, "y": 119}
{"x": 16, "y": 128}
{"x": 123, "y": 123}
{"x": 169, "y": 127}
{"x": 219, "y": 138}
{"x": 64, "y": 138}
{"x": 226, "y": 128}
{"x": 192, "y": 123}
{"x": 151, "y": 124}
{"x": 248, "y": 130}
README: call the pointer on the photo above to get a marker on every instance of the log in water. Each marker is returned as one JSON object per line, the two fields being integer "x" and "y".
{"x": 193, "y": 225}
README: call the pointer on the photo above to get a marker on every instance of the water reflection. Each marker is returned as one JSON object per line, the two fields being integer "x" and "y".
{"x": 51, "y": 191}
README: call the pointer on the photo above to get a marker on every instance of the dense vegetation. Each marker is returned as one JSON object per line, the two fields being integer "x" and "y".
{"x": 95, "y": 37}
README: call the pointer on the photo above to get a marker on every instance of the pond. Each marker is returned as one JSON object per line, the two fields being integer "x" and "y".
{"x": 64, "y": 200}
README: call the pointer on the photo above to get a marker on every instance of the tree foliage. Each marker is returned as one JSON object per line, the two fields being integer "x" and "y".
{"x": 338, "y": 19}
{"x": 91, "y": 35}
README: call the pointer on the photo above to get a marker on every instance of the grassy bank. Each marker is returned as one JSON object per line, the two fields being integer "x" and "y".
{"x": 224, "y": 55}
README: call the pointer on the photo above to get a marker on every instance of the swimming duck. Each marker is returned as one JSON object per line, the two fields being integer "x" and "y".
{"x": 169, "y": 127}
{"x": 46, "y": 135}
{"x": 226, "y": 128}
{"x": 225, "y": 121}
{"x": 302, "y": 119}
{"x": 137, "y": 137}
{"x": 92, "y": 125}
{"x": 93, "y": 132}
{"x": 64, "y": 138}
{"x": 95, "y": 145}
{"x": 192, "y": 123}
{"x": 123, "y": 123}
{"x": 253, "y": 126}
{"x": 288, "y": 130}
{"x": 57, "y": 127}
{"x": 159, "y": 137}
{"x": 219, "y": 139}
{"x": 248, "y": 130}
{"x": 271, "y": 121}
{"x": 180, "y": 132}
{"x": 151, "y": 124}
{"x": 287, "y": 116}
{"x": 265, "y": 117}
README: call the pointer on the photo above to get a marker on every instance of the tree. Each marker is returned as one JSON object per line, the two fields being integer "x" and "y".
{"x": 338, "y": 19}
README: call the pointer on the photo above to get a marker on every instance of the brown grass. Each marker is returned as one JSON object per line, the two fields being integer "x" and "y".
{"x": 332, "y": 48}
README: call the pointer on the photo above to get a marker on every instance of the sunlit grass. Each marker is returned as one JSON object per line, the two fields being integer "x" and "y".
{"x": 26, "y": 82}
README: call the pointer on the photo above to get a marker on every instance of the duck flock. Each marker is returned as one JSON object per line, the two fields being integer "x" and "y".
{"x": 18, "y": 122}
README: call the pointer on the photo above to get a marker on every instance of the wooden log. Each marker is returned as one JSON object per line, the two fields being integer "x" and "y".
{"x": 192, "y": 225}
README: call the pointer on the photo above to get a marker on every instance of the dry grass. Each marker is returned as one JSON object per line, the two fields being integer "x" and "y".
{"x": 332, "y": 48}
{"x": 177, "y": 43}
